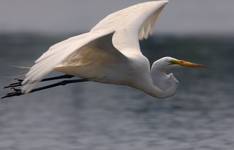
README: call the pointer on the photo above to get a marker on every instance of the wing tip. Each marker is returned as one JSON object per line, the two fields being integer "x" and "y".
{"x": 164, "y": 1}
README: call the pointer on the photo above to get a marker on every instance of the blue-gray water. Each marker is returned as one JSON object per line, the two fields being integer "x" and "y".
{"x": 93, "y": 116}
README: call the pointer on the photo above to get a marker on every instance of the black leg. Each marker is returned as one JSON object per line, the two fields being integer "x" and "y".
{"x": 61, "y": 83}
{"x": 19, "y": 81}
{"x": 58, "y": 77}
{"x": 18, "y": 92}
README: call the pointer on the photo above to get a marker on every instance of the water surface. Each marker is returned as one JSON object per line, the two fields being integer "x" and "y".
{"x": 93, "y": 116}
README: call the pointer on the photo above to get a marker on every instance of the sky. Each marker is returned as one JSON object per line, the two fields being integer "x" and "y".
{"x": 68, "y": 16}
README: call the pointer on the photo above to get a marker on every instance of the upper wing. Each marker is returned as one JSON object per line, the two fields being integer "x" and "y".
{"x": 56, "y": 55}
{"x": 128, "y": 25}
{"x": 131, "y": 24}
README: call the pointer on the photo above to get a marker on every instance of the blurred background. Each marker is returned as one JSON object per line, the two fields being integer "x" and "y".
{"x": 69, "y": 16}
{"x": 94, "y": 116}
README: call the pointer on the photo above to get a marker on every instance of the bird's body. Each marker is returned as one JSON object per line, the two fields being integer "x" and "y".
{"x": 110, "y": 53}
{"x": 98, "y": 62}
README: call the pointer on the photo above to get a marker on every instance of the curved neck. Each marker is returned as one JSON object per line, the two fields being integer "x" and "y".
{"x": 160, "y": 84}
{"x": 149, "y": 86}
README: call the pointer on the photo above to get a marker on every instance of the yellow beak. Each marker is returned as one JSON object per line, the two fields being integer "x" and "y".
{"x": 187, "y": 64}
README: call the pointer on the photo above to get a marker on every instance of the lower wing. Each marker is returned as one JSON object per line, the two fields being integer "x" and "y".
{"x": 56, "y": 55}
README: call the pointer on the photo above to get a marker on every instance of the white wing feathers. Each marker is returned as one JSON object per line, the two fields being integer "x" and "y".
{"x": 58, "y": 46}
{"x": 131, "y": 24}
{"x": 147, "y": 27}
{"x": 139, "y": 18}
{"x": 56, "y": 55}
{"x": 128, "y": 25}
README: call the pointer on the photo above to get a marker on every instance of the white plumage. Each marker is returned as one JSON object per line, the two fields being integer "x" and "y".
{"x": 55, "y": 56}
{"x": 127, "y": 25}
{"x": 110, "y": 53}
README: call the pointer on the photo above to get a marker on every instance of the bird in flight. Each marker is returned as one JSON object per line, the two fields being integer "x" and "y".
{"x": 109, "y": 53}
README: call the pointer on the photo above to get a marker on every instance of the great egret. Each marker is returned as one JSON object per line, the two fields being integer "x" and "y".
{"x": 110, "y": 53}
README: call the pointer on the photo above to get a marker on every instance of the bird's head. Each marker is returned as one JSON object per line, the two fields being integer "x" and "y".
{"x": 167, "y": 63}
{"x": 163, "y": 78}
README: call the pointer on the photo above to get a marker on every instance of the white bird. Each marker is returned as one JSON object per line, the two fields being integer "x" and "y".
{"x": 110, "y": 53}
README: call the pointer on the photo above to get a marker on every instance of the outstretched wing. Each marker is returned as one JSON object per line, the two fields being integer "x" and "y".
{"x": 132, "y": 24}
{"x": 56, "y": 55}
{"x": 128, "y": 26}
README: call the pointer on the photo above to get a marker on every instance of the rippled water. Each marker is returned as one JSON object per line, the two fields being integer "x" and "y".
{"x": 93, "y": 116}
